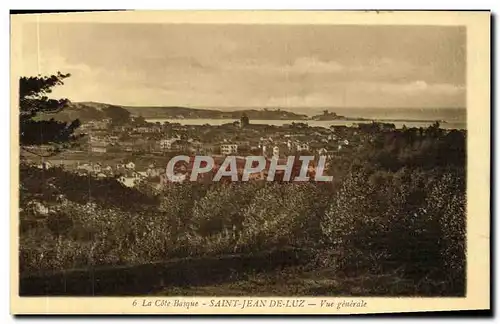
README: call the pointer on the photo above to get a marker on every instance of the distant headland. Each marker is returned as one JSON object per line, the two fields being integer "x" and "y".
{"x": 86, "y": 111}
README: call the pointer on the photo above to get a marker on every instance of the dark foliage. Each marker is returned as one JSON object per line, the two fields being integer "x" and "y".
{"x": 33, "y": 102}
{"x": 47, "y": 185}
{"x": 118, "y": 115}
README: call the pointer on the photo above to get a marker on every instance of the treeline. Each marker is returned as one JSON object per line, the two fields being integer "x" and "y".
{"x": 48, "y": 185}
{"x": 427, "y": 148}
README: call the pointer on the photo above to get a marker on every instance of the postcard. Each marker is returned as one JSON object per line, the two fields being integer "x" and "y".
{"x": 250, "y": 162}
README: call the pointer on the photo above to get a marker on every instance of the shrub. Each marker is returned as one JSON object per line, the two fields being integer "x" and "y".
{"x": 411, "y": 221}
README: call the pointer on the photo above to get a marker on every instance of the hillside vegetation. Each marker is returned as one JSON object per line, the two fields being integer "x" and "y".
{"x": 86, "y": 111}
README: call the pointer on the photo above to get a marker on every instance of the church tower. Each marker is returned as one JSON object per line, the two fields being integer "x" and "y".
{"x": 244, "y": 120}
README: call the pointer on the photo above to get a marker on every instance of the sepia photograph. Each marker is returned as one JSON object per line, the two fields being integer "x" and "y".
{"x": 287, "y": 165}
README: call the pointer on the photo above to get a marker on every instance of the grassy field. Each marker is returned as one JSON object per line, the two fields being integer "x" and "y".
{"x": 232, "y": 275}
{"x": 159, "y": 277}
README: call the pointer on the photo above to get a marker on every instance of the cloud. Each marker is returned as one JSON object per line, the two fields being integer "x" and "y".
{"x": 47, "y": 64}
{"x": 303, "y": 82}
{"x": 314, "y": 70}
{"x": 248, "y": 65}
{"x": 375, "y": 94}
{"x": 418, "y": 87}
{"x": 314, "y": 65}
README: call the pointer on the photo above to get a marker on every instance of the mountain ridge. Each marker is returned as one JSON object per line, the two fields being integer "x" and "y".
{"x": 96, "y": 110}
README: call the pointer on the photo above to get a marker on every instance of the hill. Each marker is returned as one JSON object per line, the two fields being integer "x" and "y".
{"x": 184, "y": 112}
{"x": 86, "y": 111}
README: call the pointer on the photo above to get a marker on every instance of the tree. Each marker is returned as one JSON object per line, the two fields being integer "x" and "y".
{"x": 140, "y": 121}
{"x": 281, "y": 215}
{"x": 35, "y": 105}
{"x": 118, "y": 115}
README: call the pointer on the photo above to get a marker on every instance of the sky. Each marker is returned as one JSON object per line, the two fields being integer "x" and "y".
{"x": 222, "y": 66}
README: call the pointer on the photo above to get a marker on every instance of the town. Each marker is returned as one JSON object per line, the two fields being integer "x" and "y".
{"x": 138, "y": 151}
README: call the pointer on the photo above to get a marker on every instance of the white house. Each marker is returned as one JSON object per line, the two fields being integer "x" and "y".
{"x": 113, "y": 138}
{"x": 97, "y": 167}
{"x": 99, "y": 149}
{"x": 229, "y": 149}
{"x": 44, "y": 165}
{"x": 130, "y": 165}
{"x": 98, "y": 145}
{"x": 84, "y": 166}
{"x": 38, "y": 208}
{"x": 166, "y": 144}
{"x": 176, "y": 178}
{"x": 302, "y": 147}
{"x": 98, "y": 139}
{"x": 276, "y": 152}
{"x": 127, "y": 181}
{"x": 322, "y": 151}
{"x": 142, "y": 129}
{"x": 153, "y": 172}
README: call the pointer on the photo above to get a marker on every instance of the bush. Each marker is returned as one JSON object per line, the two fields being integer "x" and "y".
{"x": 411, "y": 221}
